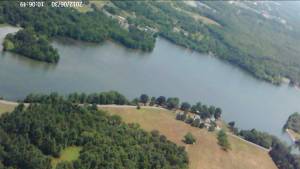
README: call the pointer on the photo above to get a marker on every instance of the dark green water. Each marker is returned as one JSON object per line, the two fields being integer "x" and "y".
{"x": 169, "y": 70}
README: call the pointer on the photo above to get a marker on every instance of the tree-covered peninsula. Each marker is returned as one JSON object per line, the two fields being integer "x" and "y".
{"x": 50, "y": 22}
{"x": 27, "y": 43}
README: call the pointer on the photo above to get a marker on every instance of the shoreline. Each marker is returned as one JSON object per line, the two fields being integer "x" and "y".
{"x": 291, "y": 136}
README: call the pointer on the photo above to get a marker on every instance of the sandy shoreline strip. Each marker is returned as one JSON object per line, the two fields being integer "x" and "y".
{"x": 291, "y": 135}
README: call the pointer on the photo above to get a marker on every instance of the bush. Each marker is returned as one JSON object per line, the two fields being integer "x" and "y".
{"x": 202, "y": 125}
{"x": 189, "y": 120}
{"x": 212, "y": 127}
{"x": 223, "y": 141}
{"x": 181, "y": 116}
{"x": 189, "y": 138}
{"x": 196, "y": 123}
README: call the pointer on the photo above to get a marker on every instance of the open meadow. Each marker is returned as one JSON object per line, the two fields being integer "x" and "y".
{"x": 206, "y": 153}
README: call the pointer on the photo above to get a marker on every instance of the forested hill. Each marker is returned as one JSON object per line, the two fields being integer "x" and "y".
{"x": 32, "y": 137}
{"x": 260, "y": 37}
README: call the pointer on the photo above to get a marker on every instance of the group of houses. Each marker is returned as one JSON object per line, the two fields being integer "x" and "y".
{"x": 196, "y": 120}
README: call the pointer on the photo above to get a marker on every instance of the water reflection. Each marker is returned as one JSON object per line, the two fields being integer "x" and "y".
{"x": 32, "y": 64}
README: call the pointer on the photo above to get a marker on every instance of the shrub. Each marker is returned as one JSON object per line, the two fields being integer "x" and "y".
{"x": 223, "y": 141}
{"x": 189, "y": 138}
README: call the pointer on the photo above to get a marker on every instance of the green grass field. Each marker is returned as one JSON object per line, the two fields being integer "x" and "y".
{"x": 206, "y": 153}
{"x": 68, "y": 154}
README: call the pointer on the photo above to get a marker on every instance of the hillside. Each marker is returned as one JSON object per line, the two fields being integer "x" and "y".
{"x": 56, "y": 134}
{"x": 206, "y": 153}
{"x": 266, "y": 31}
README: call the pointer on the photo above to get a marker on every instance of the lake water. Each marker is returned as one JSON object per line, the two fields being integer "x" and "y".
{"x": 169, "y": 70}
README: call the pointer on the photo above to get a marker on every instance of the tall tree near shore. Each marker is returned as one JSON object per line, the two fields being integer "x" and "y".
{"x": 161, "y": 100}
{"x": 197, "y": 108}
{"x": 218, "y": 113}
{"x": 144, "y": 99}
{"x": 172, "y": 103}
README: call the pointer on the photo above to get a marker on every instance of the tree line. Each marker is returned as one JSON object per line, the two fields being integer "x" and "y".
{"x": 30, "y": 136}
{"x": 110, "y": 97}
{"x": 114, "y": 97}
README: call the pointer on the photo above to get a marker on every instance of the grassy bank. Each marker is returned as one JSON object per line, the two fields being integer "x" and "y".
{"x": 206, "y": 153}
{"x": 67, "y": 155}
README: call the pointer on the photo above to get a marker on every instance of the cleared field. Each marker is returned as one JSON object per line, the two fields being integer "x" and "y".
{"x": 6, "y": 108}
{"x": 206, "y": 153}
{"x": 68, "y": 154}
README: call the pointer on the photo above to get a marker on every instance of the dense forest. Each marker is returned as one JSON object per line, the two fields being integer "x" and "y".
{"x": 32, "y": 136}
{"x": 26, "y": 42}
{"x": 93, "y": 26}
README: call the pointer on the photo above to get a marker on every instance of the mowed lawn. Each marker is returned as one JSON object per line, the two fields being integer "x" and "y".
{"x": 206, "y": 153}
